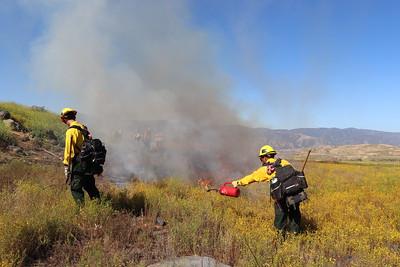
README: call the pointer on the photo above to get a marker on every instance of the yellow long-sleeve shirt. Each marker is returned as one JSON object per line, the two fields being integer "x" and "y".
{"x": 261, "y": 174}
{"x": 73, "y": 143}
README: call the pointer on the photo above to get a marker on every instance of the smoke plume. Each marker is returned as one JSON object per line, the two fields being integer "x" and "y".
{"x": 148, "y": 81}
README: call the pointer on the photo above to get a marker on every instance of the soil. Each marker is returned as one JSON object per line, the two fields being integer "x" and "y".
{"x": 31, "y": 150}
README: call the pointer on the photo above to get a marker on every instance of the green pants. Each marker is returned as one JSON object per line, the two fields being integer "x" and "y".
{"x": 82, "y": 180}
{"x": 287, "y": 218}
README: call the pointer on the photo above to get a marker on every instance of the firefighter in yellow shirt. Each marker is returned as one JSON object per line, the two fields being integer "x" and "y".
{"x": 78, "y": 173}
{"x": 285, "y": 217}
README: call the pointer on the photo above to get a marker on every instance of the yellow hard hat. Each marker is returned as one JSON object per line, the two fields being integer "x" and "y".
{"x": 267, "y": 150}
{"x": 68, "y": 111}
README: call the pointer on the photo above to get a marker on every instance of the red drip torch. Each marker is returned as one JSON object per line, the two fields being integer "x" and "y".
{"x": 227, "y": 190}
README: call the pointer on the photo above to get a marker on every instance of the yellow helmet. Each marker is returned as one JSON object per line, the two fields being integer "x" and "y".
{"x": 267, "y": 150}
{"x": 68, "y": 111}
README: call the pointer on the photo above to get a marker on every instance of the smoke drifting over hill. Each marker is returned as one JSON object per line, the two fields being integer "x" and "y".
{"x": 133, "y": 65}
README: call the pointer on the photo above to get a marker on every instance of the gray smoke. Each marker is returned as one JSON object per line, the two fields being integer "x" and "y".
{"x": 147, "y": 80}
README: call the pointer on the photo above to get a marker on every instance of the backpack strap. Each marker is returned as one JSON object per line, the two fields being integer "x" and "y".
{"x": 277, "y": 163}
{"x": 83, "y": 131}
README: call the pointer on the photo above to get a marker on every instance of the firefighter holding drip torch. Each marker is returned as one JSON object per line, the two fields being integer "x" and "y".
{"x": 287, "y": 217}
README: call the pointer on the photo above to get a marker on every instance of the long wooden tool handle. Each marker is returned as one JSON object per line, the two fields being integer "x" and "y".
{"x": 52, "y": 154}
{"x": 305, "y": 162}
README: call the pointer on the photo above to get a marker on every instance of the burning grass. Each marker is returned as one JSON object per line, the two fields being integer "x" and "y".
{"x": 352, "y": 218}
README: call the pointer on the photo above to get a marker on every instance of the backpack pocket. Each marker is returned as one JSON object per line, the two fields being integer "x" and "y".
{"x": 276, "y": 191}
{"x": 295, "y": 184}
{"x": 293, "y": 200}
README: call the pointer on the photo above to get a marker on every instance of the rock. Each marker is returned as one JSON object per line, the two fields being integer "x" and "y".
{"x": 160, "y": 221}
{"x": 192, "y": 261}
{"x": 20, "y": 127}
{"x": 10, "y": 123}
{"x": 5, "y": 115}
{"x": 16, "y": 149}
{"x": 14, "y": 125}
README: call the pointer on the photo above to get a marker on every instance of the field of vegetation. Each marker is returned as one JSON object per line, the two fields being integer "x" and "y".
{"x": 351, "y": 219}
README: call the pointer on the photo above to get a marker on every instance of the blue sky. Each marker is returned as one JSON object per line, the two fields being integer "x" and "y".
{"x": 304, "y": 63}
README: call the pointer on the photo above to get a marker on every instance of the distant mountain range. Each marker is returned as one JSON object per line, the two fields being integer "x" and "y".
{"x": 315, "y": 137}
{"x": 295, "y": 138}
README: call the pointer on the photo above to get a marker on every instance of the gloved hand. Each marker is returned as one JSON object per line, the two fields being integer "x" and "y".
{"x": 66, "y": 172}
{"x": 270, "y": 169}
{"x": 235, "y": 183}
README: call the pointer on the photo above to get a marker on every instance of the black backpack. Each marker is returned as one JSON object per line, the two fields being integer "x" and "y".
{"x": 288, "y": 184}
{"x": 93, "y": 152}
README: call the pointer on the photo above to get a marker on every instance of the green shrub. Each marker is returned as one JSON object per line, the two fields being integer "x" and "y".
{"x": 6, "y": 137}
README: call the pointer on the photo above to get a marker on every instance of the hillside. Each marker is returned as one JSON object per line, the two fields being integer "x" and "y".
{"x": 32, "y": 134}
{"x": 314, "y": 137}
{"x": 363, "y": 152}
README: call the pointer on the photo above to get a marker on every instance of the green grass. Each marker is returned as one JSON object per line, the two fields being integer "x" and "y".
{"x": 39, "y": 123}
{"x": 37, "y": 213}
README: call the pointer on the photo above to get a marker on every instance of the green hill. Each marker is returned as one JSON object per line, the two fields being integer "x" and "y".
{"x": 39, "y": 122}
